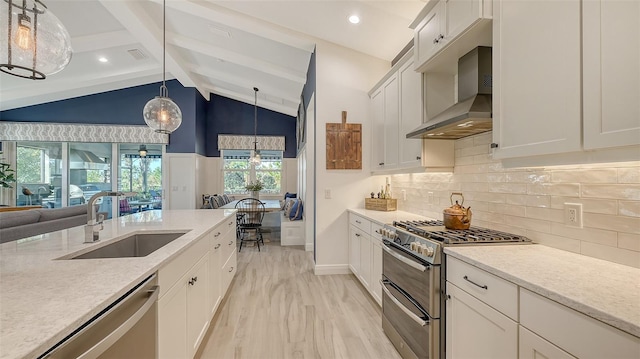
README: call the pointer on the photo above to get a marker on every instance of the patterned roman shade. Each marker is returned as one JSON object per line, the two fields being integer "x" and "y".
{"x": 237, "y": 142}
{"x": 67, "y": 132}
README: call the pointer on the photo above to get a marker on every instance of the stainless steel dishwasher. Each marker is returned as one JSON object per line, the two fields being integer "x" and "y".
{"x": 126, "y": 329}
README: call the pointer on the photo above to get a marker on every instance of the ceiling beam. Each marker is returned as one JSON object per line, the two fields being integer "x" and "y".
{"x": 216, "y": 13}
{"x": 264, "y": 87}
{"x": 235, "y": 58}
{"x": 277, "y": 107}
{"x": 134, "y": 17}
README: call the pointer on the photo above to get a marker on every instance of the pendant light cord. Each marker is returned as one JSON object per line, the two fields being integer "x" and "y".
{"x": 164, "y": 92}
{"x": 255, "y": 120}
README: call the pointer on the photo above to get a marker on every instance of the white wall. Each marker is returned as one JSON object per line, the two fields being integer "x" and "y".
{"x": 344, "y": 77}
{"x": 530, "y": 201}
{"x": 180, "y": 180}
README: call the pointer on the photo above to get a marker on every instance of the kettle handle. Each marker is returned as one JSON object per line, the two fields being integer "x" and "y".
{"x": 456, "y": 193}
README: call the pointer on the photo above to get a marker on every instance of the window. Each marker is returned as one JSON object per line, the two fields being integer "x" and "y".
{"x": 238, "y": 172}
{"x": 38, "y": 173}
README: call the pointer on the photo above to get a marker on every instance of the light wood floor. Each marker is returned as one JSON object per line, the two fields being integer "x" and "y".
{"x": 277, "y": 308}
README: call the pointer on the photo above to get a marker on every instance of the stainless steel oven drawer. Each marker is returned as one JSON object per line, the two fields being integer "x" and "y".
{"x": 413, "y": 335}
{"x": 421, "y": 281}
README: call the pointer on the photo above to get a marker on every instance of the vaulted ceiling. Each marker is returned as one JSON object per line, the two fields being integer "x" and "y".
{"x": 219, "y": 47}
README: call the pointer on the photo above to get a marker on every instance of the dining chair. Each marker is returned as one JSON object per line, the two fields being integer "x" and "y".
{"x": 249, "y": 219}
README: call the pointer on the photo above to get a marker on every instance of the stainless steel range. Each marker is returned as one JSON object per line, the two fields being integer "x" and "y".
{"x": 414, "y": 280}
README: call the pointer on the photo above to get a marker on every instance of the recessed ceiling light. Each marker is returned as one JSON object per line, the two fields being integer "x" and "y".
{"x": 103, "y": 59}
{"x": 354, "y": 19}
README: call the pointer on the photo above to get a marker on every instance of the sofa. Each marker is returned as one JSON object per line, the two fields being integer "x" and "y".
{"x": 21, "y": 224}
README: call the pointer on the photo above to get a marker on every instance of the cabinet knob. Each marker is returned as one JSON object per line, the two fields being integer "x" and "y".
{"x": 418, "y": 158}
{"x": 494, "y": 145}
{"x": 381, "y": 164}
{"x": 231, "y": 270}
{"x": 230, "y": 243}
{"x": 217, "y": 246}
{"x": 217, "y": 234}
{"x": 357, "y": 234}
{"x": 193, "y": 280}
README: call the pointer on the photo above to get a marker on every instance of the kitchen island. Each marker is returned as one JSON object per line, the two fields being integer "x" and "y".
{"x": 44, "y": 298}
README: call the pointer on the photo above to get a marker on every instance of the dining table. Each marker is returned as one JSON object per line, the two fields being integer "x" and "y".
{"x": 270, "y": 205}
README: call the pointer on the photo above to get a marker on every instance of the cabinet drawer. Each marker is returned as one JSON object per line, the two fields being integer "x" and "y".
{"x": 360, "y": 222}
{"x": 169, "y": 274}
{"x": 228, "y": 272}
{"x": 574, "y": 332}
{"x": 532, "y": 347}
{"x": 494, "y": 291}
{"x": 375, "y": 230}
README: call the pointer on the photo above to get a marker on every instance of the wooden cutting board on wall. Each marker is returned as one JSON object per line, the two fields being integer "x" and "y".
{"x": 344, "y": 145}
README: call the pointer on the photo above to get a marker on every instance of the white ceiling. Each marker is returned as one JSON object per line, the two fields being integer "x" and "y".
{"x": 220, "y": 47}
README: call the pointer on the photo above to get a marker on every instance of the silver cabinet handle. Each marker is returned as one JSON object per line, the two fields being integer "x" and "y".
{"x": 474, "y": 283}
{"x": 217, "y": 235}
{"x": 406, "y": 311}
{"x": 358, "y": 222}
{"x": 405, "y": 260}
{"x": 230, "y": 243}
{"x": 357, "y": 234}
{"x": 231, "y": 270}
{"x": 217, "y": 246}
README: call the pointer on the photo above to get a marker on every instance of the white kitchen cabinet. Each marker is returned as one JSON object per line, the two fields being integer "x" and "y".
{"x": 229, "y": 260}
{"x": 449, "y": 24}
{"x": 365, "y": 254}
{"x": 390, "y": 89}
{"x": 611, "y": 73}
{"x": 376, "y": 267}
{"x": 354, "y": 250}
{"x": 183, "y": 313}
{"x": 217, "y": 236}
{"x": 429, "y": 34}
{"x": 577, "y": 334}
{"x": 377, "y": 129}
{"x": 365, "y": 259}
{"x": 588, "y": 49}
{"x": 536, "y": 77}
{"x": 533, "y": 347}
{"x": 475, "y": 330}
{"x": 197, "y": 304}
{"x": 411, "y": 107}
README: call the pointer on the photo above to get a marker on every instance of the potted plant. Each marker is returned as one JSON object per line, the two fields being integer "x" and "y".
{"x": 255, "y": 188}
{"x": 6, "y": 175}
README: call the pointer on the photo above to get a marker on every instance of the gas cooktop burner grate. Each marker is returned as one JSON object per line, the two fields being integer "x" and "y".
{"x": 459, "y": 236}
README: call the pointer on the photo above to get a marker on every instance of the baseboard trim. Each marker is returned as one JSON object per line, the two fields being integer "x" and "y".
{"x": 332, "y": 269}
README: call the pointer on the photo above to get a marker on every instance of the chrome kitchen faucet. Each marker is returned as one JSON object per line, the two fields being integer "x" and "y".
{"x": 93, "y": 227}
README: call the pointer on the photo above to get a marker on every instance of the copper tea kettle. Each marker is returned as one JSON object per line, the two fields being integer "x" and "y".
{"x": 456, "y": 216}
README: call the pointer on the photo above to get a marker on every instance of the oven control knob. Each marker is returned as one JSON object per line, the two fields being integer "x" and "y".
{"x": 428, "y": 251}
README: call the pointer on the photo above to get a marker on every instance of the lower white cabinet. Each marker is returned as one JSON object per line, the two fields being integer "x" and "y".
{"x": 183, "y": 313}
{"x": 533, "y": 347}
{"x": 475, "y": 330}
{"x": 191, "y": 288}
{"x": 365, "y": 254}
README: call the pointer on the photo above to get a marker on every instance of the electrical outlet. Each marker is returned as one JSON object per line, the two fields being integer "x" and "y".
{"x": 404, "y": 195}
{"x": 327, "y": 193}
{"x": 573, "y": 214}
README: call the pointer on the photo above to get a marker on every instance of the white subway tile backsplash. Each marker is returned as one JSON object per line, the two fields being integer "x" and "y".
{"x": 629, "y": 241}
{"x": 629, "y": 175}
{"x": 605, "y": 237}
{"x": 609, "y": 175}
{"x": 613, "y": 254}
{"x": 616, "y": 191}
{"x": 530, "y": 201}
{"x": 554, "y": 189}
{"x": 630, "y": 209}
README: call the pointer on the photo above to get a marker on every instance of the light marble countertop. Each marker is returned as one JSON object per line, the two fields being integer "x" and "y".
{"x": 382, "y": 217}
{"x": 603, "y": 290}
{"x": 42, "y": 299}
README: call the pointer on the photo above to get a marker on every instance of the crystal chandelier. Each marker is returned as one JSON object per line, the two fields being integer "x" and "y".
{"x": 33, "y": 42}
{"x": 255, "y": 155}
{"x": 161, "y": 113}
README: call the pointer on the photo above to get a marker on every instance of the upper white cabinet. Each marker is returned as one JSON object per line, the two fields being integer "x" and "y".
{"x": 398, "y": 106}
{"x": 611, "y": 73}
{"x": 566, "y": 76}
{"x": 449, "y": 23}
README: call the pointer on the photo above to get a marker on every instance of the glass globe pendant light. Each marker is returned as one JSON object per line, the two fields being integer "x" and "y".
{"x": 33, "y": 42}
{"x": 161, "y": 113}
{"x": 255, "y": 155}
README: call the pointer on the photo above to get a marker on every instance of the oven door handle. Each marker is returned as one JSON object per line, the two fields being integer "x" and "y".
{"x": 406, "y": 311}
{"x": 405, "y": 260}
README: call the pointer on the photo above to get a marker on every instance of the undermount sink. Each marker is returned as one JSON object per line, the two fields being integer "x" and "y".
{"x": 135, "y": 245}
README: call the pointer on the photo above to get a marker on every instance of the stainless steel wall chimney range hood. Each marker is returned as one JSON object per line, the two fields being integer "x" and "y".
{"x": 472, "y": 113}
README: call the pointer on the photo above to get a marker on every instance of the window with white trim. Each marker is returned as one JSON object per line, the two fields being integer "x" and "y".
{"x": 238, "y": 172}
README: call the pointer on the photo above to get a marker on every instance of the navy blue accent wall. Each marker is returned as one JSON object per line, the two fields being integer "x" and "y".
{"x": 231, "y": 117}
{"x": 201, "y": 125}
{"x": 310, "y": 87}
